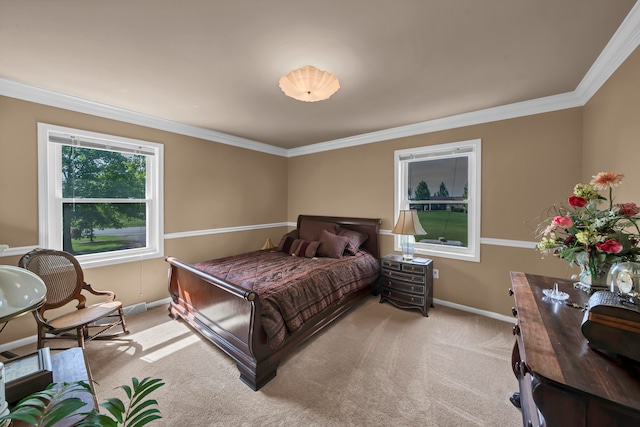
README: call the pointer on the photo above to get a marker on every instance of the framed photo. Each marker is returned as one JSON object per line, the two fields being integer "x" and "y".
{"x": 27, "y": 374}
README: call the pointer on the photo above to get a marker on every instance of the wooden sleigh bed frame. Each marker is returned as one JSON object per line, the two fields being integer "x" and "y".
{"x": 230, "y": 316}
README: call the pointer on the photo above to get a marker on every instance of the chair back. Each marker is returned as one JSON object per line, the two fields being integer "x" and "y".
{"x": 60, "y": 272}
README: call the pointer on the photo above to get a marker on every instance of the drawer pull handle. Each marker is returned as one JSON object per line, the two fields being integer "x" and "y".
{"x": 510, "y": 292}
{"x": 516, "y": 330}
{"x": 514, "y": 311}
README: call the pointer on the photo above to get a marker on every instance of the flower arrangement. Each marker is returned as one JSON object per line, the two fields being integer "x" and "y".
{"x": 591, "y": 237}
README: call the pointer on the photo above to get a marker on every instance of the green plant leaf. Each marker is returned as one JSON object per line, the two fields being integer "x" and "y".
{"x": 145, "y": 421}
{"x": 141, "y": 406}
{"x": 115, "y": 407}
{"x": 61, "y": 409}
{"x": 127, "y": 390}
{"x": 146, "y": 387}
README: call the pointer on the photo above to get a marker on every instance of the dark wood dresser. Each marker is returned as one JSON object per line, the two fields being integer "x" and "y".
{"x": 407, "y": 284}
{"x": 563, "y": 382}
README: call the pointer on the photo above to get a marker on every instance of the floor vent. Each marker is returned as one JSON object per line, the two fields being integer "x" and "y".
{"x": 140, "y": 307}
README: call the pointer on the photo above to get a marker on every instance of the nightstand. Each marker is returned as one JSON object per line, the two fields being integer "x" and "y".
{"x": 407, "y": 284}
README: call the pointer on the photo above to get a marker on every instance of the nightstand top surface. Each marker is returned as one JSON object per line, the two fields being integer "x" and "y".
{"x": 416, "y": 260}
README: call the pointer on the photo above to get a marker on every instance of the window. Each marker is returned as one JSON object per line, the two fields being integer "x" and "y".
{"x": 100, "y": 196}
{"x": 442, "y": 182}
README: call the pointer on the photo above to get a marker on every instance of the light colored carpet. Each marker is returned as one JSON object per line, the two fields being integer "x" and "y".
{"x": 377, "y": 366}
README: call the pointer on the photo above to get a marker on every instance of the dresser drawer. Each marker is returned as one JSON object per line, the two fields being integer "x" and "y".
{"x": 391, "y": 265}
{"x": 416, "y": 288}
{"x": 406, "y": 277}
{"x": 403, "y": 297}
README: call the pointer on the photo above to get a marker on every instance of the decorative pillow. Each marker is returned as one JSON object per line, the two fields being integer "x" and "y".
{"x": 331, "y": 245}
{"x": 304, "y": 248}
{"x": 287, "y": 241}
{"x": 312, "y": 230}
{"x": 356, "y": 239}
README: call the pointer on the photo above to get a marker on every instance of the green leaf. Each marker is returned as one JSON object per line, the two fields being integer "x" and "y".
{"x": 145, "y": 421}
{"x": 115, "y": 407}
{"x": 145, "y": 389}
{"x": 141, "y": 406}
{"x": 60, "y": 410}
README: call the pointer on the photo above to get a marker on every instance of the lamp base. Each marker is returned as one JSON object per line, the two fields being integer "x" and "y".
{"x": 408, "y": 243}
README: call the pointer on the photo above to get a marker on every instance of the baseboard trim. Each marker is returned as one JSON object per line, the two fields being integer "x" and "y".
{"x": 473, "y": 310}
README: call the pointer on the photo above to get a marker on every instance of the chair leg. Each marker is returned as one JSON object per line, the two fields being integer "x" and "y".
{"x": 41, "y": 336}
{"x": 124, "y": 324}
{"x": 81, "y": 333}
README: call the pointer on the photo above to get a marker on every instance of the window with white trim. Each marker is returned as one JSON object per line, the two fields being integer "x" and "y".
{"x": 442, "y": 182}
{"x": 100, "y": 196}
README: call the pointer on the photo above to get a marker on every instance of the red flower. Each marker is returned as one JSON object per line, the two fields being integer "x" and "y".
{"x": 628, "y": 209}
{"x": 611, "y": 246}
{"x": 562, "y": 221}
{"x": 578, "y": 202}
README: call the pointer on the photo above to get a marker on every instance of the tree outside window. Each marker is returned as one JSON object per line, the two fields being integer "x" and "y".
{"x": 451, "y": 213}
{"x": 100, "y": 196}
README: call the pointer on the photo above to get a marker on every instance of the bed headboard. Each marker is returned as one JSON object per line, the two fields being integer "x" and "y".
{"x": 370, "y": 226}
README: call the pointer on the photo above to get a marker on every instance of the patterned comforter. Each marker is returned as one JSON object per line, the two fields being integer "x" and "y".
{"x": 293, "y": 289}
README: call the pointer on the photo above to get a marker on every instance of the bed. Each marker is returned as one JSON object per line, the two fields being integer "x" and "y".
{"x": 259, "y": 306}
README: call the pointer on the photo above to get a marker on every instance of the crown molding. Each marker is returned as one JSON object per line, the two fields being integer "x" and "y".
{"x": 38, "y": 95}
{"x": 622, "y": 44}
{"x": 503, "y": 112}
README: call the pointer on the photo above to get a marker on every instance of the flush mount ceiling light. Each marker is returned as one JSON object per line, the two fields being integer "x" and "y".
{"x": 309, "y": 84}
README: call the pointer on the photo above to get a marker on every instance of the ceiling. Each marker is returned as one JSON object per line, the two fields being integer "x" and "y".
{"x": 215, "y": 64}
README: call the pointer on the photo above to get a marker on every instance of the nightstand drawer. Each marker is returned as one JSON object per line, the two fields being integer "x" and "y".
{"x": 392, "y": 265}
{"x": 407, "y": 277}
{"x": 417, "y": 269}
{"x": 405, "y": 287}
{"x": 402, "y": 297}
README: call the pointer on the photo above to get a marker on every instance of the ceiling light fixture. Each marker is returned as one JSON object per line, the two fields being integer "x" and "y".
{"x": 309, "y": 84}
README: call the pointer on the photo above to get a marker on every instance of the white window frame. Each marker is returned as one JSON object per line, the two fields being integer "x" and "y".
{"x": 50, "y": 191}
{"x": 470, "y": 149}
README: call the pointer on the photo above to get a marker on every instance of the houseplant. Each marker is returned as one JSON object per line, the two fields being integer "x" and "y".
{"x": 57, "y": 401}
{"x": 592, "y": 232}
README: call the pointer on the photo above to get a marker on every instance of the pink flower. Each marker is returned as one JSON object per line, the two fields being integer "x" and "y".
{"x": 578, "y": 202}
{"x": 562, "y": 221}
{"x": 628, "y": 209}
{"x": 611, "y": 246}
{"x": 605, "y": 180}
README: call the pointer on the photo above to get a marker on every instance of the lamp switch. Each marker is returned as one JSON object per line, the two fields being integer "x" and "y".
{"x": 436, "y": 273}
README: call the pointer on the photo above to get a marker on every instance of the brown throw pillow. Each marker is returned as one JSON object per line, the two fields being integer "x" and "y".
{"x": 312, "y": 230}
{"x": 304, "y": 248}
{"x": 287, "y": 241}
{"x": 331, "y": 245}
{"x": 356, "y": 239}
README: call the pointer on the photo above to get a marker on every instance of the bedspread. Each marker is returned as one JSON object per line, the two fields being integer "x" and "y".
{"x": 293, "y": 289}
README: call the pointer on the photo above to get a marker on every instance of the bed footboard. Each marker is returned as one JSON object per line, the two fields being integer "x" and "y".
{"x": 226, "y": 315}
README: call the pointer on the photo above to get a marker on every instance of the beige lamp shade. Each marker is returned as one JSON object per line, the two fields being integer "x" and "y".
{"x": 309, "y": 84}
{"x": 408, "y": 224}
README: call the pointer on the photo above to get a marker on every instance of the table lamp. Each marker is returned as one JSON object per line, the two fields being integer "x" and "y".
{"x": 21, "y": 291}
{"x": 408, "y": 225}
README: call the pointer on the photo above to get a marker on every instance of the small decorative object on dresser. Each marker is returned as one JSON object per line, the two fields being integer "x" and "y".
{"x": 407, "y": 283}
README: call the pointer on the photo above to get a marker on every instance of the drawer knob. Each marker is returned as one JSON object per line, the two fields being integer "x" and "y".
{"x": 516, "y": 330}
{"x": 514, "y": 311}
{"x": 510, "y": 292}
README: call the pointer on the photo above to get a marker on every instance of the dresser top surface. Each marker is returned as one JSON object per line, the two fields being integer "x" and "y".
{"x": 555, "y": 350}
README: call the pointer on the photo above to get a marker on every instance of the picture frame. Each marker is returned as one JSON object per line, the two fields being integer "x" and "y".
{"x": 27, "y": 374}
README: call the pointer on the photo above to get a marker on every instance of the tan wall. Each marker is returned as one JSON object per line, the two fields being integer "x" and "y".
{"x": 207, "y": 185}
{"x": 612, "y": 130}
{"x": 528, "y": 164}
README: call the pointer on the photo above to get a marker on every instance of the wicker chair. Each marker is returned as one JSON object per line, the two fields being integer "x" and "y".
{"x": 64, "y": 279}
